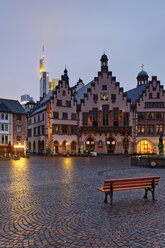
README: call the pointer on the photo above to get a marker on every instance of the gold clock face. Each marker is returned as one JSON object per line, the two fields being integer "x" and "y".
{"x": 104, "y": 96}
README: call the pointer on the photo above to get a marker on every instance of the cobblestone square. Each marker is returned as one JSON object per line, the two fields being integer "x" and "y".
{"x": 54, "y": 202}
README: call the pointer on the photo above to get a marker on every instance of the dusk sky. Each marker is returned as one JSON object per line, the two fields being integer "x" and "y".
{"x": 76, "y": 33}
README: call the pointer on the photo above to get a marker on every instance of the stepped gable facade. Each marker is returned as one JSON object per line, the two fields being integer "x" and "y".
{"x": 62, "y": 119}
{"x": 105, "y": 115}
{"x": 150, "y": 115}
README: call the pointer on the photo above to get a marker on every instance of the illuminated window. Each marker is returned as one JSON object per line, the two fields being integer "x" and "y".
{"x": 144, "y": 146}
{"x": 159, "y": 115}
{"x": 141, "y": 129}
{"x": 90, "y": 145}
{"x": 150, "y": 115}
{"x": 54, "y": 129}
{"x": 159, "y": 129}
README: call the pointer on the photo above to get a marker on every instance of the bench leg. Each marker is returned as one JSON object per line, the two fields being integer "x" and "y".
{"x": 153, "y": 194}
{"x": 111, "y": 197}
{"x": 153, "y": 189}
{"x": 146, "y": 191}
{"x": 105, "y": 200}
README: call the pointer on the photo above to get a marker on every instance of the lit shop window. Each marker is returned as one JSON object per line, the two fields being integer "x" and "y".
{"x": 144, "y": 146}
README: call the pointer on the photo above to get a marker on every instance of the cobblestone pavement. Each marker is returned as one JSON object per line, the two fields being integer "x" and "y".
{"x": 54, "y": 202}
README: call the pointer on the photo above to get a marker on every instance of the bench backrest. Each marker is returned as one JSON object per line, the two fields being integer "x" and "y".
{"x": 131, "y": 182}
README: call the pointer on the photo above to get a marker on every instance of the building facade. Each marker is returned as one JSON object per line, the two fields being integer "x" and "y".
{"x": 105, "y": 116}
{"x": 99, "y": 116}
{"x": 12, "y": 126}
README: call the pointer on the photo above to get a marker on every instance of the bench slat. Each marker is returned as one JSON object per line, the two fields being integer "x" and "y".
{"x": 130, "y": 185}
{"x": 132, "y": 179}
{"x": 127, "y": 182}
{"x": 121, "y": 189}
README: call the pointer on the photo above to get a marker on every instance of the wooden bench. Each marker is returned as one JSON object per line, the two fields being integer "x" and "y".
{"x": 147, "y": 183}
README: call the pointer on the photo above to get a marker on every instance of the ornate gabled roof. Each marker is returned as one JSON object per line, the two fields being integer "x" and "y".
{"x": 135, "y": 93}
{"x": 80, "y": 93}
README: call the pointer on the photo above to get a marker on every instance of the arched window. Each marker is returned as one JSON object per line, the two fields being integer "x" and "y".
{"x": 64, "y": 146}
{"x": 73, "y": 146}
{"x": 56, "y": 147}
{"x": 125, "y": 145}
{"x": 111, "y": 146}
{"x": 90, "y": 144}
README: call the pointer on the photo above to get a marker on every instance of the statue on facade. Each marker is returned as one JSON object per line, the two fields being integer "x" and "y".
{"x": 160, "y": 145}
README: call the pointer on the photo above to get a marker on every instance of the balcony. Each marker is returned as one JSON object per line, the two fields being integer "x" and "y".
{"x": 106, "y": 129}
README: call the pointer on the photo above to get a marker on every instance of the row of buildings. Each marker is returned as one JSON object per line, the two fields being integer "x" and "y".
{"x": 98, "y": 117}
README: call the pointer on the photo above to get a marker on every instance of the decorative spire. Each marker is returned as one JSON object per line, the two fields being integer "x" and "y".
{"x": 65, "y": 71}
{"x": 104, "y": 63}
{"x": 65, "y": 76}
{"x": 142, "y": 66}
